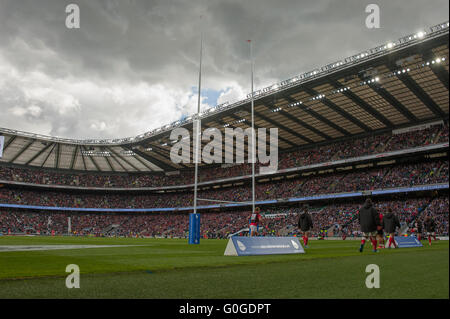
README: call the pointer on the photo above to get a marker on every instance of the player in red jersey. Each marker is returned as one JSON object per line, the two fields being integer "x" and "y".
{"x": 255, "y": 219}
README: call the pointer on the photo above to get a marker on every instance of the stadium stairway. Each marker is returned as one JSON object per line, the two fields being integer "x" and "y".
{"x": 382, "y": 147}
{"x": 286, "y": 230}
{"x": 437, "y": 137}
{"x": 438, "y": 173}
{"x": 405, "y": 227}
{"x": 238, "y": 232}
{"x": 108, "y": 231}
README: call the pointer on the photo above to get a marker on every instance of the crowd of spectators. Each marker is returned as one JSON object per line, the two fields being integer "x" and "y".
{"x": 431, "y": 135}
{"x": 401, "y": 175}
{"x": 325, "y": 153}
{"x": 332, "y": 219}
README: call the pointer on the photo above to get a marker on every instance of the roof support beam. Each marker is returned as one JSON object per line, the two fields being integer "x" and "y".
{"x": 48, "y": 155}
{"x": 319, "y": 117}
{"x": 417, "y": 90}
{"x": 39, "y": 153}
{"x": 22, "y": 150}
{"x": 9, "y": 142}
{"x": 394, "y": 102}
{"x": 338, "y": 110}
{"x": 151, "y": 159}
{"x": 164, "y": 153}
{"x": 224, "y": 148}
{"x": 362, "y": 104}
{"x": 92, "y": 160}
{"x": 107, "y": 160}
{"x": 123, "y": 159}
{"x": 249, "y": 124}
{"x": 437, "y": 68}
{"x": 84, "y": 160}
{"x": 74, "y": 156}
{"x": 284, "y": 128}
{"x": 440, "y": 73}
{"x": 143, "y": 163}
{"x": 305, "y": 125}
{"x": 421, "y": 94}
{"x": 277, "y": 125}
{"x": 57, "y": 154}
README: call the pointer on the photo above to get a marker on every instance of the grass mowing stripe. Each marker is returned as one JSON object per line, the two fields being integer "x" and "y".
{"x": 402, "y": 276}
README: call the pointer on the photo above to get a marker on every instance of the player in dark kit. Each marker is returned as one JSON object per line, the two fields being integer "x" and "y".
{"x": 430, "y": 227}
{"x": 305, "y": 224}
{"x": 380, "y": 233}
{"x": 369, "y": 220}
{"x": 390, "y": 222}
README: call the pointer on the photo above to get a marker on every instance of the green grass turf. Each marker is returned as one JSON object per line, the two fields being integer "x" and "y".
{"x": 170, "y": 268}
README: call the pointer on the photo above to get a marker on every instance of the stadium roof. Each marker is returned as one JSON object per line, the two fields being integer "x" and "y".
{"x": 397, "y": 84}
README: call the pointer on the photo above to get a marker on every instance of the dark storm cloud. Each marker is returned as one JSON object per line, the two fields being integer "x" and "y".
{"x": 132, "y": 64}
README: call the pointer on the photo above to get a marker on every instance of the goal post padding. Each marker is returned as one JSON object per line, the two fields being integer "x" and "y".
{"x": 194, "y": 228}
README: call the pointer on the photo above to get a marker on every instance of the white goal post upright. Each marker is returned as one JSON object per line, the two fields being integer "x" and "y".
{"x": 197, "y": 127}
{"x": 253, "y": 150}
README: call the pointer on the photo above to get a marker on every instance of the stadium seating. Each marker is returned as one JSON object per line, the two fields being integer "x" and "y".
{"x": 216, "y": 224}
{"x": 331, "y": 152}
{"x": 375, "y": 178}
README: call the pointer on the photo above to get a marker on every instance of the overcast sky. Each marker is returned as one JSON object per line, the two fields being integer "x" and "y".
{"x": 133, "y": 65}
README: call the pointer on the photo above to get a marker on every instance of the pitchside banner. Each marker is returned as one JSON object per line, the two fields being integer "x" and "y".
{"x": 407, "y": 242}
{"x": 2, "y": 142}
{"x": 247, "y": 246}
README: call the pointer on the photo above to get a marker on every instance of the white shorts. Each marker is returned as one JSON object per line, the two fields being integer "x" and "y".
{"x": 370, "y": 234}
{"x": 253, "y": 229}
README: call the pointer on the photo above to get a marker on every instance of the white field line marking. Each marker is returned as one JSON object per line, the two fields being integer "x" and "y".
{"x": 55, "y": 247}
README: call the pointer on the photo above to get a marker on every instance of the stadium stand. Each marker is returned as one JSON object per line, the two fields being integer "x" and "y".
{"x": 330, "y": 152}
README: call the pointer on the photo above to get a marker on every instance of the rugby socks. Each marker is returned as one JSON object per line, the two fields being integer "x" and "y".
{"x": 374, "y": 244}
{"x": 392, "y": 241}
{"x": 363, "y": 241}
{"x": 429, "y": 240}
{"x": 305, "y": 241}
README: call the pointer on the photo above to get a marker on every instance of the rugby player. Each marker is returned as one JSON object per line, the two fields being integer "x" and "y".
{"x": 305, "y": 224}
{"x": 255, "y": 219}
{"x": 390, "y": 222}
{"x": 369, "y": 221}
{"x": 430, "y": 227}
